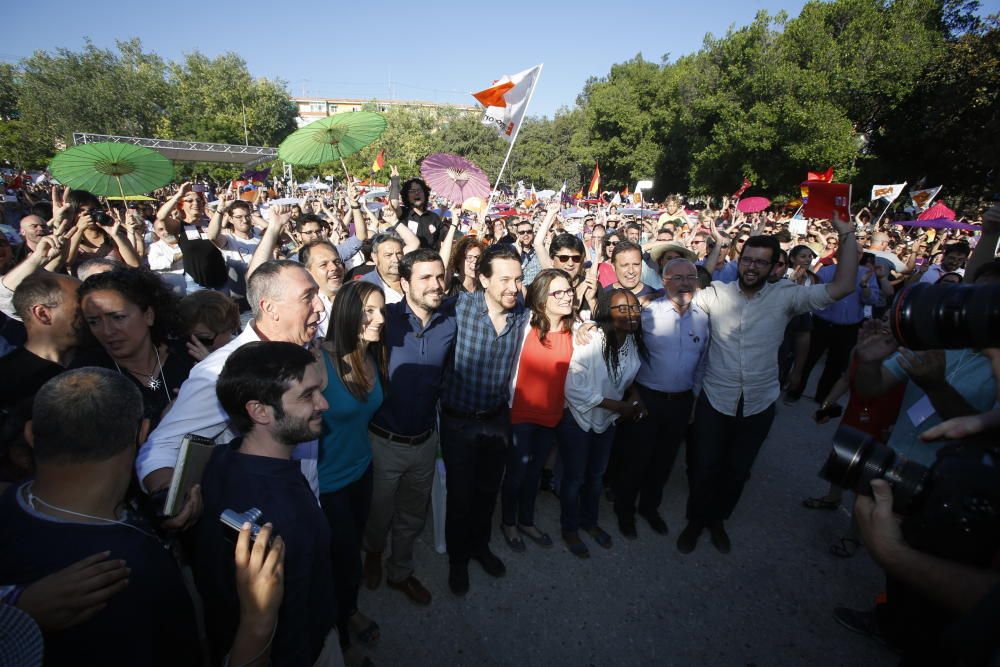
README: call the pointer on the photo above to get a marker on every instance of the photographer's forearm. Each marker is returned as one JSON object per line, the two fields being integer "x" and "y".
{"x": 956, "y": 586}
{"x": 984, "y": 253}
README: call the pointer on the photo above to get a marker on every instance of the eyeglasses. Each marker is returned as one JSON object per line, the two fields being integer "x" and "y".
{"x": 627, "y": 308}
{"x": 561, "y": 294}
{"x": 565, "y": 259}
{"x": 472, "y": 258}
{"x": 758, "y": 263}
{"x": 683, "y": 279}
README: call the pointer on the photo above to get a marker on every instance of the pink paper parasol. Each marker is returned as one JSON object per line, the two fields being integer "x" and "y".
{"x": 454, "y": 178}
{"x": 937, "y": 212}
{"x": 753, "y": 204}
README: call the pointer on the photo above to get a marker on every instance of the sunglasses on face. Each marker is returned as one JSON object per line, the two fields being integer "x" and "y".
{"x": 611, "y": 243}
{"x": 524, "y": 232}
{"x": 565, "y": 259}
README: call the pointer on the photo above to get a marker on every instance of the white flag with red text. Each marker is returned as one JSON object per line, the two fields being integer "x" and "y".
{"x": 923, "y": 198}
{"x": 507, "y": 100}
{"x": 887, "y": 192}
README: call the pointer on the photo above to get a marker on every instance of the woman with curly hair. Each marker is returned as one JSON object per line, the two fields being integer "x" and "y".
{"x": 133, "y": 318}
{"x": 599, "y": 392}
{"x": 463, "y": 272}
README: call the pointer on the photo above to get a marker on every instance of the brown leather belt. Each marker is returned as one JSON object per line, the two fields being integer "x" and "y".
{"x": 401, "y": 439}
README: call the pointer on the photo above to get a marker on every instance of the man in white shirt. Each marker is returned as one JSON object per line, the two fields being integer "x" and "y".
{"x": 166, "y": 258}
{"x": 735, "y": 409}
{"x": 237, "y": 246}
{"x": 676, "y": 336}
{"x": 286, "y": 308}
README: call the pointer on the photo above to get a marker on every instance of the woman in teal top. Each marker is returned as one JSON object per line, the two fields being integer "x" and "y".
{"x": 354, "y": 364}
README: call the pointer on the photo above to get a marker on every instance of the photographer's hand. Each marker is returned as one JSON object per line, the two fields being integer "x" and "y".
{"x": 925, "y": 368}
{"x": 878, "y": 525}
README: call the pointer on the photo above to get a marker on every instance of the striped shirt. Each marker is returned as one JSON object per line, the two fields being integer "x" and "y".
{"x": 479, "y": 376}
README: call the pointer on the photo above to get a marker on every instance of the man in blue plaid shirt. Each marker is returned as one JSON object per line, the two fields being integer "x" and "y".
{"x": 475, "y": 420}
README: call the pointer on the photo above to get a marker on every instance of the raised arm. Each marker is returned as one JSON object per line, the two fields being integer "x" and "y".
{"x": 125, "y": 247}
{"x": 357, "y": 217}
{"x": 448, "y": 241}
{"x": 214, "y": 231}
{"x": 410, "y": 240}
{"x": 168, "y": 206}
{"x": 542, "y": 250}
{"x": 987, "y": 247}
{"x": 847, "y": 259}
{"x": 278, "y": 218}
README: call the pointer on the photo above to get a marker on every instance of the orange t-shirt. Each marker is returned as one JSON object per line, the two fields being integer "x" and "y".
{"x": 540, "y": 392}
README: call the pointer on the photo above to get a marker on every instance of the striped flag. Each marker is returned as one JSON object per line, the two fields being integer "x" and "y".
{"x": 595, "y": 181}
{"x": 379, "y": 160}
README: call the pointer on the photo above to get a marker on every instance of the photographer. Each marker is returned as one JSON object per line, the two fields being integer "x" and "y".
{"x": 970, "y": 593}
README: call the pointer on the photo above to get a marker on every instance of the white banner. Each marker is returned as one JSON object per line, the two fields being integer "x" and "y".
{"x": 887, "y": 192}
{"x": 507, "y": 118}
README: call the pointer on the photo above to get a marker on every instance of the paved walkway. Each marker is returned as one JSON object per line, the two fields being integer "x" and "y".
{"x": 767, "y": 603}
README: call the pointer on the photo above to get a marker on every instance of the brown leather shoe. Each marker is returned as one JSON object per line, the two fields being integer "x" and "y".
{"x": 413, "y": 589}
{"x": 373, "y": 569}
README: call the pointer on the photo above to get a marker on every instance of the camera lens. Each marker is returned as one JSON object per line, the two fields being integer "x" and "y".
{"x": 857, "y": 458}
{"x": 947, "y": 317}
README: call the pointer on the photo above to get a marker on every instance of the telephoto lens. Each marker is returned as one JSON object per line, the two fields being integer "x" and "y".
{"x": 857, "y": 458}
{"x": 947, "y": 317}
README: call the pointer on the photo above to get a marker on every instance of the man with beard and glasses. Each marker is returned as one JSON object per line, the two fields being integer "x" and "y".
{"x": 271, "y": 393}
{"x": 419, "y": 336}
{"x": 735, "y": 409}
{"x": 676, "y": 336}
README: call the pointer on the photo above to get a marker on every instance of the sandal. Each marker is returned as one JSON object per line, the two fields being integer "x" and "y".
{"x": 515, "y": 542}
{"x": 828, "y": 412}
{"x": 845, "y": 547}
{"x": 367, "y": 635}
{"x": 820, "y": 504}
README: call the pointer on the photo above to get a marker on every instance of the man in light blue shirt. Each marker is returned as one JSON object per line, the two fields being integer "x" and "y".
{"x": 676, "y": 337}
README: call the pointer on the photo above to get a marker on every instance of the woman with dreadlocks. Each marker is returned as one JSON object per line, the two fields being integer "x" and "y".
{"x": 599, "y": 392}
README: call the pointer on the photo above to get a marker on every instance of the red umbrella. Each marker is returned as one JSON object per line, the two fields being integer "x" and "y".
{"x": 753, "y": 204}
{"x": 937, "y": 212}
{"x": 454, "y": 178}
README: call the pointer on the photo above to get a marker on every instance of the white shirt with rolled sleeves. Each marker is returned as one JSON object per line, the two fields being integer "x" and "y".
{"x": 745, "y": 337}
{"x": 197, "y": 410}
{"x": 677, "y": 345}
{"x": 588, "y": 382}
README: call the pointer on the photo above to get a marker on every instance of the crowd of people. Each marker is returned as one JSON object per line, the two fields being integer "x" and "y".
{"x": 336, "y": 348}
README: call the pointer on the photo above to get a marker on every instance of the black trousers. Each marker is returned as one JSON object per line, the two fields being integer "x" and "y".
{"x": 648, "y": 450}
{"x": 719, "y": 457}
{"x": 837, "y": 341}
{"x": 346, "y": 511}
{"x": 474, "y": 452}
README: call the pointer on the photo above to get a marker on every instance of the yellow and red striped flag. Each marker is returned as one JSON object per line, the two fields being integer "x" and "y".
{"x": 379, "y": 160}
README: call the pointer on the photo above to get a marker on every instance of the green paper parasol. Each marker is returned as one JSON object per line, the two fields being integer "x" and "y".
{"x": 108, "y": 168}
{"x": 332, "y": 138}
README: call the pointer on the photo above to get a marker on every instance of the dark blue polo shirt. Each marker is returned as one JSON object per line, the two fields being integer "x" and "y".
{"x": 237, "y": 481}
{"x": 417, "y": 357}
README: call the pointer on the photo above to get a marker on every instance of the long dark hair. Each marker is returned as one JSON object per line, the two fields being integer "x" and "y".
{"x": 538, "y": 294}
{"x": 145, "y": 290}
{"x": 342, "y": 337}
{"x": 612, "y": 348}
{"x": 457, "y": 261}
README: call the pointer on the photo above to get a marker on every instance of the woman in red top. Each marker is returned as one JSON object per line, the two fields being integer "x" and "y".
{"x": 537, "y": 400}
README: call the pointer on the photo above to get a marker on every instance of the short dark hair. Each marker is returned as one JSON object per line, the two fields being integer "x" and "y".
{"x": 493, "y": 253}
{"x": 239, "y": 203}
{"x": 415, "y": 257}
{"x": 406, "y": 186}
{"x": 783, "y": 236}
{"x": 957, "y": 246}
{"x": 259, "y": 371}
{"x": 40, "y": 287}
{"x": 625, "y": 246}
{"x": 266, "y": 282}
{"x": 218, "y": 312}
{"x": 305, "y": 255}
{"x": 78, "y": 198}
{"x": 83, "y": 415}
{"x": 567, "y": 241}
{"x": 311, "y": 217}
{"x": 763, "y": 241}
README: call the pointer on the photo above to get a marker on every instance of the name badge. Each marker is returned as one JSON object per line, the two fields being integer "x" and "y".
{"x": 921, "y": 411}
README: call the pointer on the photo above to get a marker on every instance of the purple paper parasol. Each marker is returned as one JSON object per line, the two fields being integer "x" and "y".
{"x": 454, "y": 178}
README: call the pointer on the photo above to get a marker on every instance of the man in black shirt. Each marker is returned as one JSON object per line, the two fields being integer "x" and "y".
{"x": 85, "y": 429}
{"x": 49, "y": 309}
{"x": 272, "y": 394}
{"x": 422, "y": 222}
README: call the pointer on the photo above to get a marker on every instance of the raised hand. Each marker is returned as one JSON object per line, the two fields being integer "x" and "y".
{"x": 60, "y": 203}
{"x": 875, "y": 342}
{"x": 842, "y": 226}
{"x": 260, "y": 575}
{"x": 393, "y": 171}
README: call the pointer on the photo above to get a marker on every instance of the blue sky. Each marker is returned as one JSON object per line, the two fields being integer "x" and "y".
{"x": 430, "y": 50}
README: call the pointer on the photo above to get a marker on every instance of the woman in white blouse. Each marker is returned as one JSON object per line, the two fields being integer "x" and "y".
{"x": 598, "y": 392}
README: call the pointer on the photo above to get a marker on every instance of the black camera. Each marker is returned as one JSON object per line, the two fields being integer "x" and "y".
{"x": 951, "y": 509}
{"x": 101, "y": 218}
{"x": 947, "y": 317}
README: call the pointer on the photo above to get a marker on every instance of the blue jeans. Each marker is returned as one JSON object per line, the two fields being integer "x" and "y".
{"x": 526, "y": 456}
{"x": 584, "y": 456}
